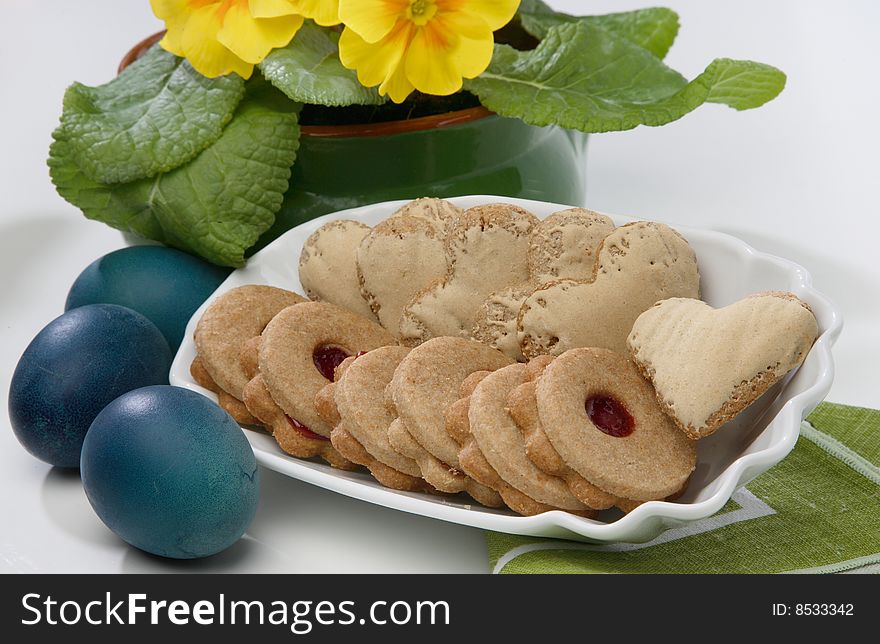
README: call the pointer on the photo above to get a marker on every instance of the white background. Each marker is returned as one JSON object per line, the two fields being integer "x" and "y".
{"x": 797, "y": 178}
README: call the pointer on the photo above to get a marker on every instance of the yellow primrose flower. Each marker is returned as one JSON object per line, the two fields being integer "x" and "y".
{"x": 222, "y": 36}
{"x": 428, "y": 45}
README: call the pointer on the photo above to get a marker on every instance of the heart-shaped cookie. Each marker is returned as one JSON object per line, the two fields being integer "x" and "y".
{"x": 400, "y": 257}
{"x": 562, "y": 246}
{"x": 637, "y": 265}
{"x": 707, "y": 364}
{"x": 486, "y": 251}
{"x": 327, "y": 267}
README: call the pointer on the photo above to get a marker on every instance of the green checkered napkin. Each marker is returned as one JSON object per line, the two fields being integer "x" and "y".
{"x": 817, "y": 511}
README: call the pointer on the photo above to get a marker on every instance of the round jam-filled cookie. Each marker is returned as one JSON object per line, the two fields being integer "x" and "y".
{"x": 438, "y": 212}
{"x": 501, "y": 441}
{"x": 293, "y": 438}
{"x": 233, "y": 318}
{"x": 707, "y": 365}
{"x": 486, "y": 251}
{"x": 399, "y": 258}
{"x": 564, "y": 245}
{"x": 638, "y": 264}
{"x": 249, "y": 357}
{"x": 359, "y": 399}
{"x": 302, "y": 346}
{"x": 603, "y": 419}
{"x": 328, "y": 268}
{"x": 523, "y": 408}
{"x": 325, "y": 399}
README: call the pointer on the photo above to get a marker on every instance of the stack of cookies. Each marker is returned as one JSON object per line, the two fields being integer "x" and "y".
{"x": 561, "y": 364}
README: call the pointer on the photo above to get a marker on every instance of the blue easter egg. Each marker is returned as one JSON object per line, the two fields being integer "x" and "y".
{"x": 170, "y": 472}
{"x": 161, "y": 283}
{"x": 77, "y": 364}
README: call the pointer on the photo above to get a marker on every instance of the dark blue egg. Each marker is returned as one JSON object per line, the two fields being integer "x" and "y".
{"x": 170, "y": 472}
{"x": 164, "y": 284}
{"x": 75, "y": 366}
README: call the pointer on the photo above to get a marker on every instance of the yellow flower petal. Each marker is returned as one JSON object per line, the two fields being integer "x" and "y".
{"x": 474, "y": 55}
{"x": 204, "y": 52}
{"x": 251, "y": 39}
{"x": 175, "y": 14}
{"x": 372, "y": 20}
{"x": 495, "y": 13}
{"x": 272, "y": 8}
{"x": 475, "y": 44}
{"x": 171, "y": 42}
{"x": 397, "y": 86}
{"x": 324, "y": 12}
{"x": 464, "y": 24}
{"x": 430, "y": 62}
{"x": 374, "y": 62}
{"x": 164, "y": 9}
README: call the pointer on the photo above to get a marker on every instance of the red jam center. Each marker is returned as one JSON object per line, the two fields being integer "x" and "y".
{"x": 327, "y": 358}
{"x": 610, "y": 416}
{"x": 305, "y": 431}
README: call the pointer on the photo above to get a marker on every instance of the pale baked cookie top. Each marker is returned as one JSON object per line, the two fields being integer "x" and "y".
{"x": 709, "y": 364}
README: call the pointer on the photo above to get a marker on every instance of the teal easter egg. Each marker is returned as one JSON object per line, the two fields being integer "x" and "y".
{"x": 77, "y": 364}
{"x": 161, "y": 283}
{"x": 170, "y": 473}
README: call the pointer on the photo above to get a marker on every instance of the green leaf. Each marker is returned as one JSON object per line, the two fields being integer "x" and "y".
{"x": 583, "y": 77}
{"x": 155, "y": 116}
{"x": 654, "y": 29}
{"x": 217, "y": 205}
{"x": 308, "y": 70}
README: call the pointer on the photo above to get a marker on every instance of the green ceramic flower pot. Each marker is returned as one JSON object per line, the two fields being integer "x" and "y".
{"x": 468, "y": 152}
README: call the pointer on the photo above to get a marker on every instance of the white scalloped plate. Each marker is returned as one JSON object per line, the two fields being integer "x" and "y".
{"x": 747, "y": 447}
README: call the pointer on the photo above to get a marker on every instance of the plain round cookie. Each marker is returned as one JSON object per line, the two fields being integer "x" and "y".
{"x": 400, "y": 257}
{"x": 426, "y": 384}
{"x": 359, "y": 396}
{"x": 328, "y": 268}
{"x": 523, "y": 408}
{"x": 230, "y": 320}
{"x": 501, "y": 441}
{"x": 287, "y": 354}
{"x": 652, "y": 462}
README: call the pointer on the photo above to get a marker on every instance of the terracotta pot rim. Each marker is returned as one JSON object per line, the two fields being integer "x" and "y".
{"x": 385, "y": 128}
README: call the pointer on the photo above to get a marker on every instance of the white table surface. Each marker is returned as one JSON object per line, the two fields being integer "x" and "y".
{"x": 798, "y": 178}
